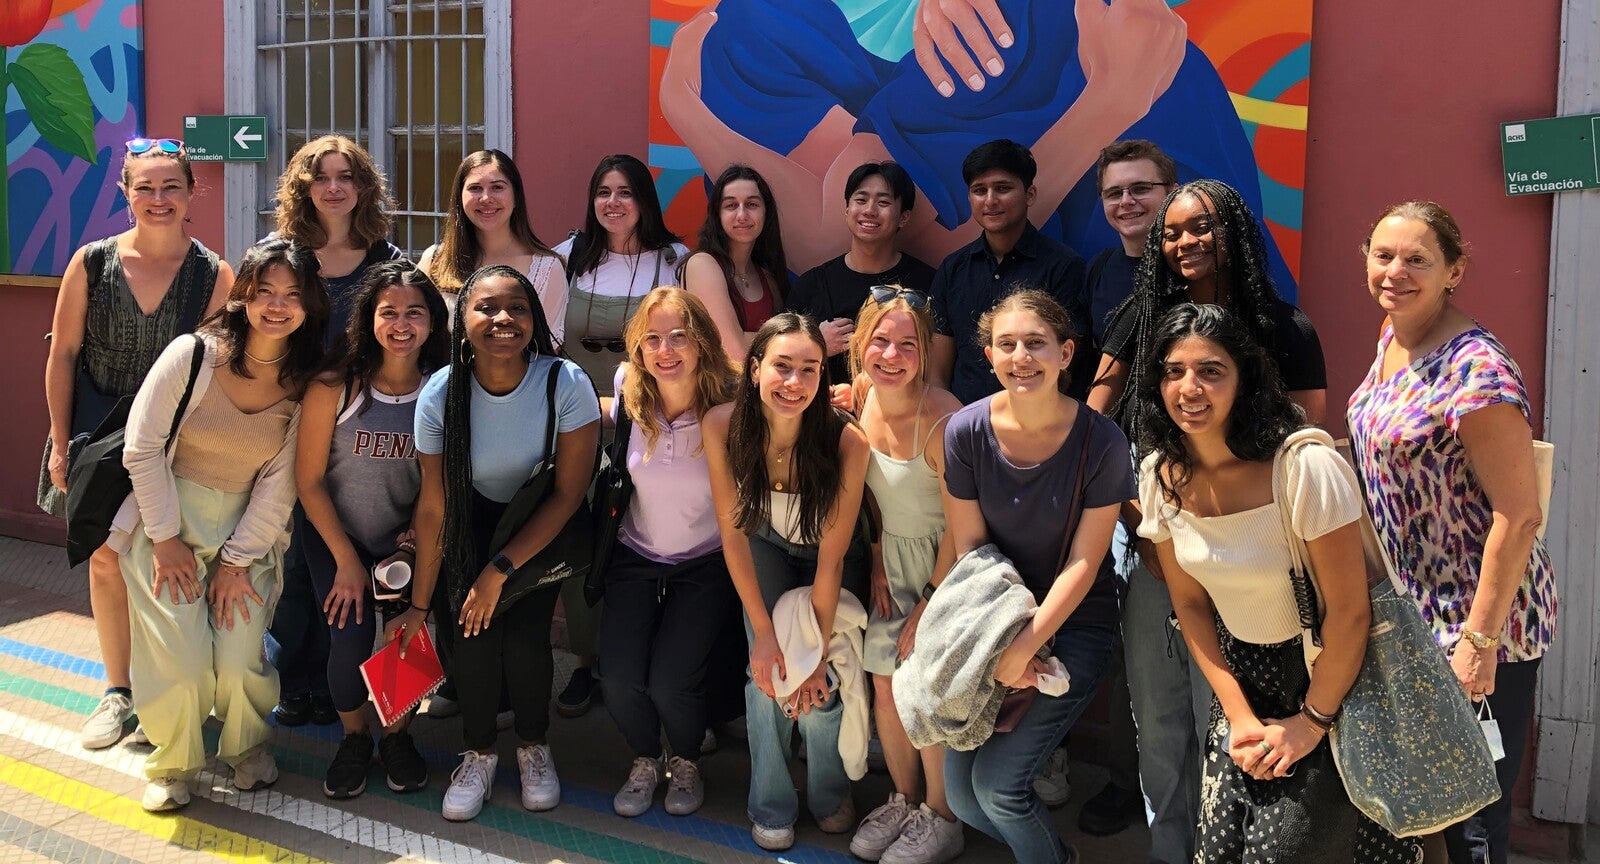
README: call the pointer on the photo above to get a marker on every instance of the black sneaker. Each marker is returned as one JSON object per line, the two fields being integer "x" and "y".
{"x": 347, "y": 773}
{"x": 405, "y": 766}
{"x": 293, "y": 710}
{"x": 579, "y": 695}
{"x": 1111, "y": 811}
{"x": 322, "y": 711}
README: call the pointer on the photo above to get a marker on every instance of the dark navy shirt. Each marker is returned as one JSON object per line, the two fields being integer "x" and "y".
{"x": 971, "y": 281}
{"x": 1110, "y": 283}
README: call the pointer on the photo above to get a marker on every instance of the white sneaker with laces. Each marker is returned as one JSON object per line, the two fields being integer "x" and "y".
{"x": 1052, "y": 785}
{"x": 881, "y": 828}
{"x": 636, "y": 795}
{"x": 928, "y": 838}
{"x": 104, "y": 726}
{"x": 541, "y": 788}
{"x": 165, "y": 793}
{"x": 772, "y": 839}
{"x": 255, "y": 771}
{"x": 687, "y": 791}
{"x": 470, "y": 785}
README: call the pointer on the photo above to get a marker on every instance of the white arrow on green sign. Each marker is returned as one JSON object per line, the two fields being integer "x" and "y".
{"x": 226, "y": 137}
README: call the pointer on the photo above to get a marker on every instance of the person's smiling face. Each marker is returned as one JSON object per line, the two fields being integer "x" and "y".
{"x": 499, "y": 318}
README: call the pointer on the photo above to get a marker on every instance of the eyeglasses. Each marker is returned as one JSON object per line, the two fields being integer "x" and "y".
{"x": 596, "y": 345}
{"x": 1112, "y": 194}
{"x": 677, "y": 340}
{"x": 886, "y": 293}
{"x": 145, "y": 145}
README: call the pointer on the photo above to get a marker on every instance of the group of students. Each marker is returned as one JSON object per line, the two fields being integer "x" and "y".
{"x": 825, "y": 460}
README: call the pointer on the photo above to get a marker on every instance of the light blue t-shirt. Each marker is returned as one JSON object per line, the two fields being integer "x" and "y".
{"x": 508, "y": 431}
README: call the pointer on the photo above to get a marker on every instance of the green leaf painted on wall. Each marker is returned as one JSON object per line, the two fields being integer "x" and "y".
{"x": 53, "y": 92}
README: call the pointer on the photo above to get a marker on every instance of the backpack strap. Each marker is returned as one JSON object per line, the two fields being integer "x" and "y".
{"x": 199, "y": 285}
{"x": 188, "y": 391}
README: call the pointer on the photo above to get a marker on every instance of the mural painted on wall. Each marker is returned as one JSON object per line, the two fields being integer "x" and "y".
{"x": 806, "y": 90}
{"x": 74, "y": 92}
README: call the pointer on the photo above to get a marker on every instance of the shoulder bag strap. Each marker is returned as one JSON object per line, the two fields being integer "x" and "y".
{"x": 188, "y": 391}
{"x": 1075, "y": 510}
{"x": 1301, "y": 577}
{"x": 550, "y": 421}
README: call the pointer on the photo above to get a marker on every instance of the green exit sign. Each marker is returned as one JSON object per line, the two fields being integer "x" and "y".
{"x": 226, "y": 138}
{"x": 1554, "y": 155}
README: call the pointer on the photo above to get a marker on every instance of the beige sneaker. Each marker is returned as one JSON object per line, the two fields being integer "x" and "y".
{"x": 106, "y": 725}
{"x": 842, "y": 819}
{"x": 255, "y": 771}
{"x": 165, "y": 793}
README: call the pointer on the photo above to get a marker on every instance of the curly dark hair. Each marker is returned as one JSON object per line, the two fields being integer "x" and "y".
{"x": 1244, "y": 283}
{"x": 1263, "y": 415}
{"x": 230, "y": 325}
{"x": 818, "y": 476}
{"x": 358, "y": 355}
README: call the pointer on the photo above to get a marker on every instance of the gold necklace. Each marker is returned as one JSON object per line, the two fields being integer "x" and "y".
{"x": 276, "y": 359}
{"x": 778, "y": 457}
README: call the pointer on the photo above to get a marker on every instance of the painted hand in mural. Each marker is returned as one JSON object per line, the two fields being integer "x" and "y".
{"x": 1133, "y": 47}
{"x": 980, "y": 25}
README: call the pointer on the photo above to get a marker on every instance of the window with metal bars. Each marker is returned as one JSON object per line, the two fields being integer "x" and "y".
{"x": 404, "y": 79}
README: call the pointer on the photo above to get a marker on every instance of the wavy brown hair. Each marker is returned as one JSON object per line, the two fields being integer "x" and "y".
{"x": 297, "y": 214}
{"x": 358, "y": 356}
{"x": 716, "y": 375}
{"x": 459, "y": 250}
{"x": 1025, "y": 299}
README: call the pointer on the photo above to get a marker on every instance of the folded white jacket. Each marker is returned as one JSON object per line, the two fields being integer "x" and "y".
{"x": 794, "y": 622}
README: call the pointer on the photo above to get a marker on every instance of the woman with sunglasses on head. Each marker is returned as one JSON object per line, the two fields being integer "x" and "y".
{"x": 357, "y": 474}
{"x": 1011, "y": 461}
{"x": 738, "y": 268}
{"x": 122, "y": 301}
{"x": 667, "y": 578}
{"x": 1215, "y": 418}
{"x": 202, "y": 535}
{"x": 497, "y": 389}
{"x": 333, "y": 199}
{"x": 903, "y": 417}
{"x": 488, "y": 224}
{"x": 786, "y": 479}
{"x": 623, "y": 251}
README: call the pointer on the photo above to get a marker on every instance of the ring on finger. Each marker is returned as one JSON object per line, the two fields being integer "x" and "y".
{"x": 1265, "y": 747}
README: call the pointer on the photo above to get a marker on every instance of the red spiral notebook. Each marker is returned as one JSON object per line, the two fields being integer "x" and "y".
{"x": 398, "y": 684}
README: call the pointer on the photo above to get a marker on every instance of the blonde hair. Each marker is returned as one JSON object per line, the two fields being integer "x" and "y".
{"x": 867, "y": 320}
{"x": 715, "y": 373}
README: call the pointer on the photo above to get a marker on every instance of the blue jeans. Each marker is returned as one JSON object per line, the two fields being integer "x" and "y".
{"x": 782, "y": 566}
{"x": 1171, "y": 707}
{"x": 991, "y": 788}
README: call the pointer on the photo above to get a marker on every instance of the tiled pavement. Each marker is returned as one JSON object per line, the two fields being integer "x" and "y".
{"x": 61, "y": 803}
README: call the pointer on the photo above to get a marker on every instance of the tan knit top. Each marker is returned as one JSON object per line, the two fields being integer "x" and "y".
{"x": 223, "y": 448}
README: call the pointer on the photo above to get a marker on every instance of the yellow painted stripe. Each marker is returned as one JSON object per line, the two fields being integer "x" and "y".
{"x": 1264, "y": 113}
{"x": 117, "y": 810}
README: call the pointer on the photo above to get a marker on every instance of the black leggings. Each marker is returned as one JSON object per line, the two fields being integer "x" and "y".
{"x": 348, "y": 646}
{"x": 513, "y": 653}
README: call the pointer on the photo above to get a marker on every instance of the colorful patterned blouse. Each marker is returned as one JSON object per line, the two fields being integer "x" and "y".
{"x": 1429, "y": 510}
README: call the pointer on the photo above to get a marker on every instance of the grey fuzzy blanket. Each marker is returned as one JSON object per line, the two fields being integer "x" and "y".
{"x": 945, "y": 691}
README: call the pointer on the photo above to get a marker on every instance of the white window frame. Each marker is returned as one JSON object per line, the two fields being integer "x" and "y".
{"x": 252, "y": 85}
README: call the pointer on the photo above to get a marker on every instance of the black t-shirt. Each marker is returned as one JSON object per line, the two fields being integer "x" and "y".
{"x": 833, "y": 290}
{"x": 1110, "y": 282}
{"x": 1298, "y": 350}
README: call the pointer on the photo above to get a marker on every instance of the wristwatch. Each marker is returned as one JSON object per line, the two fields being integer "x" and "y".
{"x": 1480, "y": 641}
{"x": 927, "y": 591}
{"x": 503, "y": 564}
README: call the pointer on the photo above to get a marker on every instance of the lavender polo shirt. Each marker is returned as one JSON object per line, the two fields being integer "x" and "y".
{"x": 670, "y": 518}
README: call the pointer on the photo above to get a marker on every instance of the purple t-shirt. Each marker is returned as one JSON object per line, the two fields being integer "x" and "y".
{"x": 1025, "y": 509}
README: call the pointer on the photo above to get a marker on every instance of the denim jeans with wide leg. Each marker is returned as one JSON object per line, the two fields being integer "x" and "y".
{"x": 782, "y": 566}
{"x": 1171, "y": 707}
{"x": 991, "y": 788}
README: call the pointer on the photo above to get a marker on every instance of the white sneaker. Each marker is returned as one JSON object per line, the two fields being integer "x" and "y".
{"x": 928, "y": 838}
{"x": 541, "y": 788}
{"x": 881, "y": 828}
{"x": 1051, "y": 784}
{"x": 636, "y": 795}
{"x": 138, "y": 737}
{"x": 470, "y": 785}
{"x": 104, "y": 727}
{"x": 772, "y": 839}
{"x": 255, "y": 771}
{"x": 165, "y": 793}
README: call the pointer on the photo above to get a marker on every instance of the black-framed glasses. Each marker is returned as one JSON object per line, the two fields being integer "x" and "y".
{"x": 886, "y": 293}
{"x": 677, "y": 340}
{"x": 145, "y": 145}
{"x": 1112, "y": 194}
{"x": 595, "y": 345}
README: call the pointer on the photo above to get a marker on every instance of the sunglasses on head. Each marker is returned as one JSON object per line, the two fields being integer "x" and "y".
{"x": 886, "y": 293}
{"x": 594, "y": 345}
{"x": 145, "y": 145}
